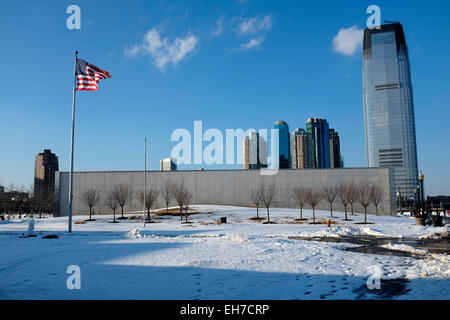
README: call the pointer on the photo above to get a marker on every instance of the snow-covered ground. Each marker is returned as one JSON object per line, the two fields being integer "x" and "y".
{"x": 243, "y": 259}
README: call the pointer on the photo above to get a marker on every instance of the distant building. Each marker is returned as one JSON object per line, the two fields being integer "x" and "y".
{"x": 438, "y": 202}
{"x": 254, "y": 151}
{"x": 299, "y": 149}
{"x": 335, "y": 149}
{"x": 319, "y": 146}
{"x": 283, "y": 144}
{"x": 46, "y": 165}
{"x": 168, "y": 164}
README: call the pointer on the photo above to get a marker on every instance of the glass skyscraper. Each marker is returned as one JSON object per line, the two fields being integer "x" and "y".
{"x": 319, "y": 146}
{"x": 283, "y": 145}
{"x": 335, "y": 149}
{"x": 388, "y": 105}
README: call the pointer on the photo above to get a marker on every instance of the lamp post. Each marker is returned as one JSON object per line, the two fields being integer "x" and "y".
{"x": 145, "y": 179}
{"x": 415, "y": 200}
{"x": 421, "y": 177}
{"x": 398, "y": 201}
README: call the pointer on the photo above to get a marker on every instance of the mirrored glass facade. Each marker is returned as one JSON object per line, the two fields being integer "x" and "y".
{"x": 388, "y": 105}
{"x": 283, "y": 144}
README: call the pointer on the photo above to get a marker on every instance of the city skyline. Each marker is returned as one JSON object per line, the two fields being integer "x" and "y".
{"x": 159, "y": 101}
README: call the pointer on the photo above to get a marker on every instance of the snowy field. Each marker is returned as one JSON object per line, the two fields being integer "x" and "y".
{"x": 242, "y": 259}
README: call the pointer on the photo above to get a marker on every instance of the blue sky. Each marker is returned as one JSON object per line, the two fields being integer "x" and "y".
{"x": 231, "y": 64}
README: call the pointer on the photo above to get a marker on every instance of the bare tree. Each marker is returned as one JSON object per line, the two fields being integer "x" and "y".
{"x": 352, "y": 195}
{"x": 364, "y": 197}
{"x": 122, "y": 194}
{"x": 11, "y": 187}
{"x": 330, "y": 194}
{"x": 150, "y": 199}
{"x": 43, "y": 199}
{"x": 90, "y": 197}
{"x": 345, "y": 195}
{"x": 188, "y": 197}
{"x": 167, "y": 194}
{"x": 299, "y": 194}
{"x": 313, "y": 197}
{"x": 179, "y": 194}
{"x": 255, "y": 197}
{"x": 267, "y": 195}
{"x": 376, "y": 195}
{"x": 112, "y": 204}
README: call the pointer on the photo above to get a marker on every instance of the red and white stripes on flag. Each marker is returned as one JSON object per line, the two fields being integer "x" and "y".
{"x": 88, "y": 76}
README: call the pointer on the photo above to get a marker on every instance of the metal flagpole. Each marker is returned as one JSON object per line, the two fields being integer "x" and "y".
{"x": 71, "y": 143}
{"x": 145, "y": 175}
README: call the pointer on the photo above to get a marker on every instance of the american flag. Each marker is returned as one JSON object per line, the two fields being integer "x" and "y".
{"x": 89, "y": 75}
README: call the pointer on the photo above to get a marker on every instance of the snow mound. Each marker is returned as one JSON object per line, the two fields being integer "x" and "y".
{"x": 236, "y": 238}
{"x": 340, "y": 231}
{"x": 404, "y": 247}
{"x": 371, "y": 232}
{"x": 436, "y": 235}
{"x": 134, "y": 234}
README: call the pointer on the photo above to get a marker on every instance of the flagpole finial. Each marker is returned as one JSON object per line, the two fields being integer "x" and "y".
{"x": 76, "y": 52}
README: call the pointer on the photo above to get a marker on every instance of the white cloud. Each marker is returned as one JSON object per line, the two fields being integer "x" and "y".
{"x": 347, "y": 41}
{"x": 255, "y": 25}
{"x": 219, "y": 27}
{"x": 163, "y": 51}
{"x": 132, "y": 51}
{"x": 254, "y": 43}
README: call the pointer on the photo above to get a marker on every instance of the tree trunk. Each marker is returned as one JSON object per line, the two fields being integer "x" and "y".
{"x": 186, "y": 214}
{"x": 167, "y": 208}
{"x": 365, "y": 214}
{"x": 148, "y": 215}
{"x": 257, "y": 212}
{"x": 181, "y": 213}
{"x": 376, "y": 209}
{"x": 122, "y": 212}
{"x": 345, "y": 212}
{"x": 268, "y": 216}
{"x": 314, "y": 216}
{"x": 114, "y": 215}
{"x": 351, "y": 204}
{"x": 331, "y": 210}
{"x": 90, "y": 213}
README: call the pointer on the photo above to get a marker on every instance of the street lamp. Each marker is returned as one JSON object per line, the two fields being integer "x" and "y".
{"x": 398, "y": 201}
{"x": 415, "y": 199}
{"x": 421, "y": 177}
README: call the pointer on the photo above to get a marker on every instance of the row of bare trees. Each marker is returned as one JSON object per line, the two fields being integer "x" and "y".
{"x": 121, "y": 195}
{"x": 347, "y": 194}
{"x": 21, "y": 201}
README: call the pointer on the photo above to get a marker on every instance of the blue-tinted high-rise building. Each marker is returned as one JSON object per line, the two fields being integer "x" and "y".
{"x": 319, "y": 144}
{"x": 388, "y": 105}
{"x": 283, "y": 144}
